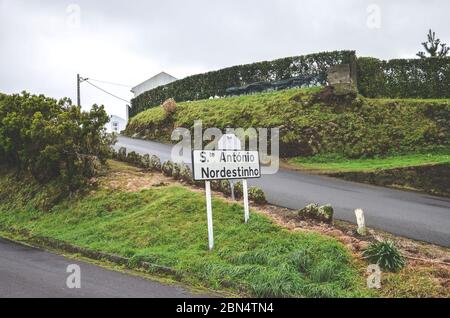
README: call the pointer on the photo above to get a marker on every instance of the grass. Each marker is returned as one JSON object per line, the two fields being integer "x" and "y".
{"x": 355, "y": 128}
{"x": 338, "y": 163}
{"x": 240, "y": 111}
{"x": 167, "y": 226}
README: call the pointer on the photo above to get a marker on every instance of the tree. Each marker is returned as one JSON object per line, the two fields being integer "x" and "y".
{"x": 434, "y": 47}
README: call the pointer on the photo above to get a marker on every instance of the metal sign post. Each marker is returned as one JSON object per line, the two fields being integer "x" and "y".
{"x": 209, "y": 215}
{"x": 246, "y": 207}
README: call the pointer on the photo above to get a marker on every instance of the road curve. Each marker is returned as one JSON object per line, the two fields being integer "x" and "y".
{"x": 409, "y": 214}
{"x": 27, "y": 272}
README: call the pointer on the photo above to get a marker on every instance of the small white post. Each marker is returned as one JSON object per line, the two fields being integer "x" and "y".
{"x": 209, "y": 214}
{"x": 361, "y": 221}
{"x": 246, "y": 208}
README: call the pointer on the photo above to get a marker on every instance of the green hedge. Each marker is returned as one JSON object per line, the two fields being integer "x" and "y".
{"x": 403, "y": 78}
{"x": 203, "y": 86}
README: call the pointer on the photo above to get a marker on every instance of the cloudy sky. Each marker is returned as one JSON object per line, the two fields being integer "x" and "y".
{"x": 45, "y": 43}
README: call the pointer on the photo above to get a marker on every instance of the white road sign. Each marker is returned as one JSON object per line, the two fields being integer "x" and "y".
{"x": 225, "y": 164}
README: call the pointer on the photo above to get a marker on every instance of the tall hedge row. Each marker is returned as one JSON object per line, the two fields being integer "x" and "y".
{"x": 214, "y": 83}
{"x": 404, "y": 78}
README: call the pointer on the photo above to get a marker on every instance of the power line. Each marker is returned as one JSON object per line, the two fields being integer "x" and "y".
{"x": 87, "y": 81}
{"x": 110, "y": 83}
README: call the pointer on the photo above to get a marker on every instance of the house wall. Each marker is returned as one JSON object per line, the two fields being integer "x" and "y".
{"x": 116, "y": 125}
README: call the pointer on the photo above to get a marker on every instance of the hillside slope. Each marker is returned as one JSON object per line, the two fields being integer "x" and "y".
{"x": 134, "y": 215}
{"x": 353, "y": 127}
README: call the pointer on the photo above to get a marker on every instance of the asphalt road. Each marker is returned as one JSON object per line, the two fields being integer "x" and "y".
{"x": 27, "y": 272}
{"x": 409, "y": 214}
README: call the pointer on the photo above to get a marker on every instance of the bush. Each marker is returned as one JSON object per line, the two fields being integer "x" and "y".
{"x": 238, "y": 190}
{"x": 225, "y": 187}
{"x": 53, "y": 139}
{"x": 203, "y": 86}
{"x": 167, "y": 168}
{"x": 186, "y": 175}
{"x": 200, "y": 184}
{"x": 386, "y": 255}
{"x": 326, "y": 213}
{"x": 316, "y": 212}
{"x": 257, "y": 195}
{"x": 215, "y": 185}
{"x": 176, "y": 171}
{"x": 135, "y": 159}
{"x": 146, "y": 163}
{"x": 155, "y": 163}
{"x": 122, "y": 154}
{"x": 404, "y": 78}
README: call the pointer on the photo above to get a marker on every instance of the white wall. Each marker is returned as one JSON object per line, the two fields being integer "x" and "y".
{"x": 116, "y": 125}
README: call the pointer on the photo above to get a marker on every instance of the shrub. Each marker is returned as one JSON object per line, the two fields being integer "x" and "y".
{"x": 155, "y": 163}
{"x": 53, "y": 139}
{"x": 238, "y": 190}
{"x": 225, "y": 187}
{"x": 200, "y": 184}
{"x": 257, "y": 195}
{"x": 316, "y": 212}
{"x": 215, "y": 185}
{"x": 386, "y": 255}
{"x": 186, "y": 175}
{"x": 202, "y": 86}
{"x": 167, "y": 168}
{"x": 309, "y": 211}
{"x": 325, "y": 213}
{"x": 122, "y": 154}
{"x": 146, "y": 163}
{"x": 135, "y": 159}
{"x": 176, "y": 171}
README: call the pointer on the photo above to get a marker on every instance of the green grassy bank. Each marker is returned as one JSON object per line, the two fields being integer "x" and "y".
{"x": 338, "y": 163}
{"x": 167, "y": 226}
{"x": 352, "y": 128}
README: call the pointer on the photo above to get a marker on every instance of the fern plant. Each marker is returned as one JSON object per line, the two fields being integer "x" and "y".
{"x": 386, "y": 255}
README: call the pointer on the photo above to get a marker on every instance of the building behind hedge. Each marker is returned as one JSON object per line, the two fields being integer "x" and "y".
{"x": 158, "y": 80}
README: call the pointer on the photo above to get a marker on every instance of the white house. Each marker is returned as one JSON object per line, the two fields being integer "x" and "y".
{"x": 156, "y": 81}
{"x": 116, "y": 124}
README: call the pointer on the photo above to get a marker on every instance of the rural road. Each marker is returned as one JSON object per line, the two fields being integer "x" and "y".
{"x": 27, "y": 272}
{"x": 409, "y": 214}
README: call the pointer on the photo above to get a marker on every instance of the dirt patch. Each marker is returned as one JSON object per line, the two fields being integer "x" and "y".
{"x": 130, "y": 179}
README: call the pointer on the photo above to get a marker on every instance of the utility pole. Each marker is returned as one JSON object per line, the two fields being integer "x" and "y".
{"x": 78, "y": 90}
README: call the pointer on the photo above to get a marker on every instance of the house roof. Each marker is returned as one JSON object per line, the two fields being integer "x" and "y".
{"x": 162, "y": 74}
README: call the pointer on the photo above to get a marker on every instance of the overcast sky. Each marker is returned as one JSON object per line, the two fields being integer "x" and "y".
{"x": 45, "y": 43}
